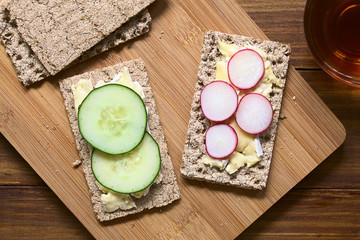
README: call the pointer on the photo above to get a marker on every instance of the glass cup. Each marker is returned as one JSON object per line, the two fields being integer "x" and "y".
{"x": 332, "y": 30}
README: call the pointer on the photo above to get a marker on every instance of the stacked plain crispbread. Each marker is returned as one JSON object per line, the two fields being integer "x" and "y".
{"x": 254, "y": 177}
{"x": 44, "y": 37}
{"x": 160, "y": 194}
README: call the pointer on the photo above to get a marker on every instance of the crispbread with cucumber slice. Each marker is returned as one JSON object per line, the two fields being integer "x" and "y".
{"x": 254, "y": 177}
{"x": 160, "y": 194}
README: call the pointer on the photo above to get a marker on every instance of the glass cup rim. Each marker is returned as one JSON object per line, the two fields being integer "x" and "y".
{"x": 333, "y": 72}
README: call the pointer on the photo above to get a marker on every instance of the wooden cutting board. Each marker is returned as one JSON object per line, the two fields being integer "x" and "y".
{"x": 35, "y": 123}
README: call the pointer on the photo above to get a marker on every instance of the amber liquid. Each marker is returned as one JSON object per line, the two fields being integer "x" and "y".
{"x": 333, "y": 33}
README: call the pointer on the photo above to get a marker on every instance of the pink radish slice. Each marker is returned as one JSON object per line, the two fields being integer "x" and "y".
{"x": 245, "y": 69}
{"x": 220, "y": 141}
{"x": 218, "y": 101}
{"x": 254, "y": 114}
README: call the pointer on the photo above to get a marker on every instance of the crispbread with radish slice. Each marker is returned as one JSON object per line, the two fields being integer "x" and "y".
{"x": 254, "y": 177}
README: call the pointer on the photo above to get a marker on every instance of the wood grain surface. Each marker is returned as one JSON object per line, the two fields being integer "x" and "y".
{"x": 324, "y": 205}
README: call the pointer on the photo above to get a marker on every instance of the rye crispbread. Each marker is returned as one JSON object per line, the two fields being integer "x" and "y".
{"x": 72, "y": 26}
{"x": 160, "y": 194}
{"x": 28, "y": 67}
{"x": 253, "y": 177}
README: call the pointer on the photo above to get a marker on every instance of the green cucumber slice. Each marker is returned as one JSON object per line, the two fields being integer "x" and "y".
{"x": 129, "y": 172}
{"x": 113, "y": 118}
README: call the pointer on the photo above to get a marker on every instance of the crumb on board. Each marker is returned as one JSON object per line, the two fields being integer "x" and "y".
{"x": 294, "y": 98}
{"x": 76, "y": 163}
{"x": 54, "y": 128}
{"x": 282, "y": 116}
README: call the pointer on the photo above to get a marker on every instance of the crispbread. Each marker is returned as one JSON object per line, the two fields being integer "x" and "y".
{"x": 253, "y": 177}
{"x": 72, "y": 26}
{"x": 160, "y": 194}
{"x": 28, "y": 66}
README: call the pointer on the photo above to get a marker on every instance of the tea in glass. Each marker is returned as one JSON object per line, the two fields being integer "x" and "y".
{"x": 332, "y": 30}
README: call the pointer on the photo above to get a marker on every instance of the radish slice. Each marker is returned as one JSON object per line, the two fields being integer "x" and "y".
{"x": 254, "y": 114}
{"x": 245, "y": 69}
{"x": 218, "y": 101}
{"x": 220, "y": 141}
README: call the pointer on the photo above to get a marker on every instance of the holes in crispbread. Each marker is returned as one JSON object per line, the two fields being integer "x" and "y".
{"x": 6, "y": 16}
{"x": 38, "y": 70}
{"x": 8, "y": 35}
{"x": 267, "y": 138}
{"x": 120, "y": 36}
{"x": 260, "y": 167}
{"x": 145, "y": 29}
{"x": 98, "y": 50}
{"x": 143, "y": 20}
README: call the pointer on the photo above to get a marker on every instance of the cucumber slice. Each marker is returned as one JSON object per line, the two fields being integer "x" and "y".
{"x": 129, "y": 172}
{"x": 112, "y": 118}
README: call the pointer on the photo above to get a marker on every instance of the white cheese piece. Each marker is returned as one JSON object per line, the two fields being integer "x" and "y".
{"x": 141, "y": 193}
{"x": 227, "y": 50}
{"x": 159, "y": 178}
{"x": 116, "y": 78}
{"x": 124, "y": 78}
{"x": 113, "y": 201}
{"x": 147, "y": 123}
{"x": 225, "y": 162}
{"x": 80, "y": 90}
{"x": 136, "y": 83}
{"x": 258, "y": 50}
{"x": 220, "y": 164}
{"x": 100, "y": 83}
{"x": 258, "y": 148}
{"x": 101, "y": 187}
{"x": 238, "y": 160}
